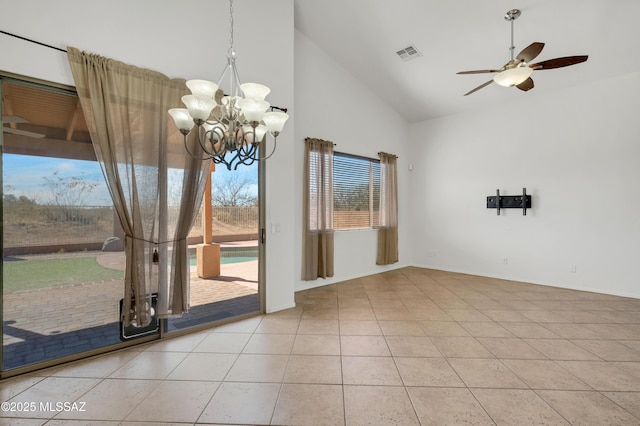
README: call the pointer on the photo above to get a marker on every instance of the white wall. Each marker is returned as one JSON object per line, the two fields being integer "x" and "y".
{"x": 577, "y": 151}
{"x": 165, "y": 36}
{"x": 332, "y": 105}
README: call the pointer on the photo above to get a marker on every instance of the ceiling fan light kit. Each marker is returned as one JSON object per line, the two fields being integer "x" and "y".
{"x": 517, "y": 72}
{"x": 512, "y": 76}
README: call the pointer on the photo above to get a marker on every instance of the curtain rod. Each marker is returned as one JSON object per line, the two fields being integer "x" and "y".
{"x": 33, "y": 41}
{"x": 389, "y": 154}
{"x": 334, "y": 144}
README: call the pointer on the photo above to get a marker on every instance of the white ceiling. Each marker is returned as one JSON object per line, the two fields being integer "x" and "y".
{"x": 459, "y": 35}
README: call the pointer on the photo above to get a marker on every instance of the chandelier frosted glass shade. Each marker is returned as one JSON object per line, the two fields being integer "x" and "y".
{"x": 253, "y": 109}
{"x": 259, "y": 132}
{"x": 254, "y": 90}
{"x": 182, "y": 118}
{"x": 203, "y": 88}
{"x": 275, "y": 121}
{"x": 199, "y": 107}
{"x": 513, "y": 76}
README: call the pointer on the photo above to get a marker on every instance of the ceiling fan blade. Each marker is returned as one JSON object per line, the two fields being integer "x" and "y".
{"x": 22, "y": 132}
{"x": 477, "y": 72}
{"x": 559, "y": 62}
{"x": 530, "y": 52}
{"x": 13, "y": 119}
{"x": 479, "y": 87}
{"x": 526, "y": 85}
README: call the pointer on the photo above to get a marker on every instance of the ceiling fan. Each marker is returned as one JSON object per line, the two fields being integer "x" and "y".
{"x": 15, "y": 119}
{"x": 517, "y": 72}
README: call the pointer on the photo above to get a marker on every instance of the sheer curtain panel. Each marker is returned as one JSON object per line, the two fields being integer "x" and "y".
{"x": 388, "y": 230}
{"x": 317, "y": 235}
{"x": 156, "y": 187}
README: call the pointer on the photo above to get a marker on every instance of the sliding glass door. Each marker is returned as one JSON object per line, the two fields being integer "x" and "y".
{"x": 225, "y": 251}
{"x": 62, "y": 266}
{"x": 63, "y": 248}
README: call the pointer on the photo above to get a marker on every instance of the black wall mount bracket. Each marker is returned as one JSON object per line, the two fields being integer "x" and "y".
{"x": 509, "y": 201}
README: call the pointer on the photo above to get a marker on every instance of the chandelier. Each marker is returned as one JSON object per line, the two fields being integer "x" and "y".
{"x": 229, "y": 123}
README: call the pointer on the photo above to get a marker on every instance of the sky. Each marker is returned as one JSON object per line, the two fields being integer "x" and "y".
{"x": 25, "y": 175}
{"x": 250, "y": 172}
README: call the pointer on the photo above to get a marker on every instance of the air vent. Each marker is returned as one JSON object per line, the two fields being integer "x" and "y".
{"x": 409, "y": 53}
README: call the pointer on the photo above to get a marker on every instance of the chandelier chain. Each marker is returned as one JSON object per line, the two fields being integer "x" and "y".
{"x": 231, "y": 27}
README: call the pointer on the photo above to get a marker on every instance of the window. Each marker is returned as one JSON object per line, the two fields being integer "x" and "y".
{"x": 356, "y": 192}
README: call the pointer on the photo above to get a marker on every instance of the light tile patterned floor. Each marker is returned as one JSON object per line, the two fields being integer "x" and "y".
{"x": 408, "y": 347}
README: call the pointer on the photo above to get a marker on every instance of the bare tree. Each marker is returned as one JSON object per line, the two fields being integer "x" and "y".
{"x": 68, "y": 193}
{"x": 233, "y": 190}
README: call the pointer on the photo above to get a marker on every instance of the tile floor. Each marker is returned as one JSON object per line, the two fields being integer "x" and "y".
{"x": 407, "y": 347}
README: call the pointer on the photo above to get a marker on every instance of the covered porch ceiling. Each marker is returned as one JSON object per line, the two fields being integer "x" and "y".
{"x": 41, "y": 122}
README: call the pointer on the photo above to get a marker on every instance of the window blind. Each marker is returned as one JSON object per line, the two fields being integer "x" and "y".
{"x": 356, "y": 191}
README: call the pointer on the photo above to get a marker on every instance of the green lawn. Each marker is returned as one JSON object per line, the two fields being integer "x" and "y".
{"x": 32, "y": 274}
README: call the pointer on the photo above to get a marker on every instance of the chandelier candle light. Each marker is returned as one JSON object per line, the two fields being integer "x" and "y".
{"x": 234, "y": 123}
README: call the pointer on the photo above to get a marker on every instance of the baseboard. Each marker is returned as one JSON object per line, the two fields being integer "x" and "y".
{"x": 280, "y": 308}
{"x": 320, "y": 282}
{"x": 544, "y": 283}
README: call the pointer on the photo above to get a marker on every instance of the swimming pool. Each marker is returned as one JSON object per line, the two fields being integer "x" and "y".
{"x": 230, "y": 255}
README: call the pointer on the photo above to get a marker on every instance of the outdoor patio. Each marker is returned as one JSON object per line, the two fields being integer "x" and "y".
{"x": 48, "y": 323}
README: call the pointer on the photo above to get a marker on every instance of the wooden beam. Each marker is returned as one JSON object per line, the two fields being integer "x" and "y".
{"x": 72, "y": 124}
{"x": 7, "y": 105}
{"x": 46, "y": 147}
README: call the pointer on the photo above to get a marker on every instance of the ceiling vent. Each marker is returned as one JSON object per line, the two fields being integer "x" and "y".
{"x": 409, "y": 53}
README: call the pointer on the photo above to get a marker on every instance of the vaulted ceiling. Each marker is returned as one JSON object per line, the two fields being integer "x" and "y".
{"x": 364, "y": 36}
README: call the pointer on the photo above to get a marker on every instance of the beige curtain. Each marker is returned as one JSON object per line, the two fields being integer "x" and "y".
{"x": 317, "y": 235}
{"x": 388, "y": 230}
{"x": 155, "y": 186}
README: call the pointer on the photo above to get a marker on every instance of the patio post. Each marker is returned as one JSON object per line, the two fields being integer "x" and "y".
{"x": 208, "y": 253}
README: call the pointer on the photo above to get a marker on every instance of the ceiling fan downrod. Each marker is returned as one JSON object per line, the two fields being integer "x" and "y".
{"x": 511, "y": 16}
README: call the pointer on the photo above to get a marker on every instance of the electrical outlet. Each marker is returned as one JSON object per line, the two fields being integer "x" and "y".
{"x": 505, "y": 260}
{"x": 573, "y": 269}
